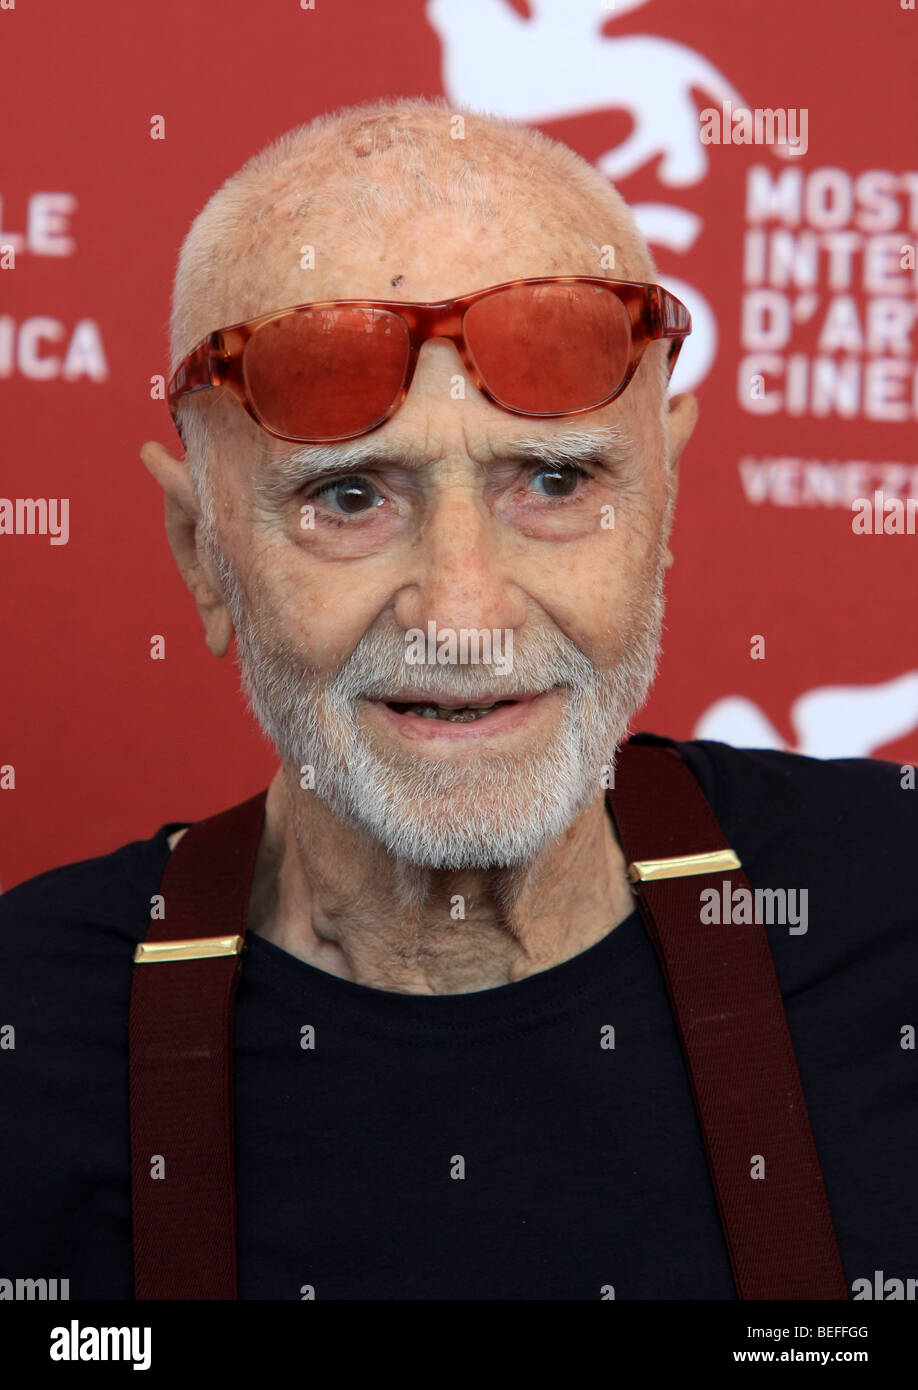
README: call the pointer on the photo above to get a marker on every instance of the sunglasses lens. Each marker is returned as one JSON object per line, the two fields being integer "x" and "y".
{"x": 326, "y": 373}
{"x": 549, "y": 349}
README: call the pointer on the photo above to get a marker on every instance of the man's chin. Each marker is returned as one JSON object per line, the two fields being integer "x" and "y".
{"x": 462, "y": 820}
{"x": 450, "y": 849}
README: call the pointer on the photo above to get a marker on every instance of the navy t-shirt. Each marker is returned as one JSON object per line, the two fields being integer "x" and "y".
{"x": 483, "y": 1145}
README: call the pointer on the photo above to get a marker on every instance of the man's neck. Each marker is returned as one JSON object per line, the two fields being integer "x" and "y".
{"x": 327, "y": 893}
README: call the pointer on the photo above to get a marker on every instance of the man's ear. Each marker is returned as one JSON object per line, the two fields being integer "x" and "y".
{"x": 182, "y": 515}
{"x": 680, "y": 422}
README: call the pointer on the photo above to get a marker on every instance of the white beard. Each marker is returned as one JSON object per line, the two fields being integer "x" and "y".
{"x": 480, "y": 810}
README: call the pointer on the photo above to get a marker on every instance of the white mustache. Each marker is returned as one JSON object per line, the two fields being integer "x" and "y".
{"x": 377, "y": 667}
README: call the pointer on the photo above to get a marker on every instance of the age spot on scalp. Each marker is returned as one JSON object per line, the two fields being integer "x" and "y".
{"x": 371, "y": 137}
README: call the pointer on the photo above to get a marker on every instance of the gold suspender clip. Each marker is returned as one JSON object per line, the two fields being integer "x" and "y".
{"x": 196, "y": 948}
{"x": 681, "y": 865}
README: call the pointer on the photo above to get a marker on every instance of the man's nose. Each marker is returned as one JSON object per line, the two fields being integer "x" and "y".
{"x": 463, "y": 570}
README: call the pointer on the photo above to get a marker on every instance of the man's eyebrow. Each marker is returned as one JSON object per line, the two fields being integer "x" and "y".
{"x": 281, "y": 474}
{"x": 285, "y": 472}
{"x": 574, "y": 446}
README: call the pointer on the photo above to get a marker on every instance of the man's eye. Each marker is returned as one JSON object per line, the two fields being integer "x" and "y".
{"x": 561, "y": 479}
{"x": 352, "y": 495}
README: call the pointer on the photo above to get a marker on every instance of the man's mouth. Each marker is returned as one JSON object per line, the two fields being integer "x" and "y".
{"x": 463, "y": 714}
{"x": 413, "y": 714}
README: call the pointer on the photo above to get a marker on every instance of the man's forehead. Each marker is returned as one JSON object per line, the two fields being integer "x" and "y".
{"x": 429, "y": 256}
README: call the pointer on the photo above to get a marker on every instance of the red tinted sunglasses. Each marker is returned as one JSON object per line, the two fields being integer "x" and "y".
{"x": 553, "y": 345}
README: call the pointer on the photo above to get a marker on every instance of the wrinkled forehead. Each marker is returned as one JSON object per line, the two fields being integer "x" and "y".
{"x": 348, "y": 241}
{"x": 359, "y": 225}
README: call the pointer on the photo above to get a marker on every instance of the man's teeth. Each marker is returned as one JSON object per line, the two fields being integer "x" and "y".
{"x": 463, "y": 715}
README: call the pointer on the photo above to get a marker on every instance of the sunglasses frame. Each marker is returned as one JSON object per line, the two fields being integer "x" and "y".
{"x": 217, "y": 359}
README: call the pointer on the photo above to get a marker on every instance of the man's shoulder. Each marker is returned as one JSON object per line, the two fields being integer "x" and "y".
{"x": 845, "y": 828}
{"x": 108, "y": 893}
{"x": 834, "y": 839}
{"x": 844, "y": 795}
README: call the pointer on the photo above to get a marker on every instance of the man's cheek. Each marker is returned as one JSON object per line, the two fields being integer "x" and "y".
{"x": 317, "y": 629}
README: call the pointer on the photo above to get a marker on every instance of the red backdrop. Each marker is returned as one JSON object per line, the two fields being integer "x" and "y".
{"x": 796, "y": 268}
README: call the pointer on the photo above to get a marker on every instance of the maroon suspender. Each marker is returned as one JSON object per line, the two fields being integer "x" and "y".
{"x": 721, "y": 983}
{"x": 724, "y": 992}
{"x": 181, "y": 1062}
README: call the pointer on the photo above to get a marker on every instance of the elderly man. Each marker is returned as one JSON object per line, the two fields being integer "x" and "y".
{"x": 471, "y": 1003}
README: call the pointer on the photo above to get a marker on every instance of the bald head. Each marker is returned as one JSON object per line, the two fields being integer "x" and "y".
{"x": 349, "y": 189}
{"x": 344, "y": 180}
